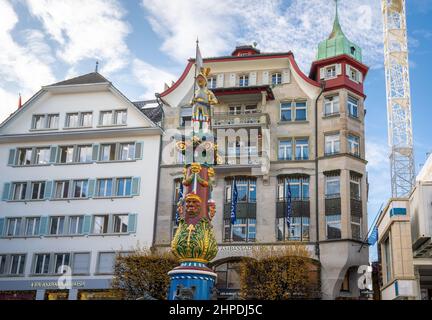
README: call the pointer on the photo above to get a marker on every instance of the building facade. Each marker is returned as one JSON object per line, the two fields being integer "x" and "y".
{"x": 278, "y": 130}
{"x": 79, "y": 165}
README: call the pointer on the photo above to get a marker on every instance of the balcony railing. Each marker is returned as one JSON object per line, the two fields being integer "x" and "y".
{"x": 253, "y": 118}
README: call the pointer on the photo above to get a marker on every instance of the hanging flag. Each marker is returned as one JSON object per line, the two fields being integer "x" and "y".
{"x": 234, "y": 200}
{"x": 288, "y": 213}
{"x": 19, "y": 101}
{"x": 180, "y": 199}
{"x": 373, "y": 238}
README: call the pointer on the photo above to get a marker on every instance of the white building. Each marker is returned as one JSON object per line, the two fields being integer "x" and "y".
{"x": 79, "y": 166}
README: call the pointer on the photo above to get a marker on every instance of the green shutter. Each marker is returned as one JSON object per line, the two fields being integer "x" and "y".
{"x": 139, "y": 148}
{"x": 136, "y": 186}
{"x": 48, "y": 189}
{"x": 91, "y": 188}
{"x": 6, "y": 192}
{"x": 86, "y": 224}
{"x": 132, "y": 223}
{"x": 43, "y": 227}
{"x": 95, "y": 153}
{"x": 11, "y": 160}
{"x": 2, "y": 223}
{"x": 53, "y": 154}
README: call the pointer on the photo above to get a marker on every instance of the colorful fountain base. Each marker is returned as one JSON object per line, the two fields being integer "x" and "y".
{"x": 191, "y": 281}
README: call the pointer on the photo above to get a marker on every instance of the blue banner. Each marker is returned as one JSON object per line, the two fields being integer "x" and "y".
{"x": 288, "y": 208}
{"x": 180, "y": 198}
{"x": 373, "y": 238}
{"x": 234, "y": 200}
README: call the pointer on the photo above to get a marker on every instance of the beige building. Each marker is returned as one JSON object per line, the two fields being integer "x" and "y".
{"x": 291, "y": 131}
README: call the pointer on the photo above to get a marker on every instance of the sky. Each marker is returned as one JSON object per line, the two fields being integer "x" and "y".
{"x": 142, "y": 44}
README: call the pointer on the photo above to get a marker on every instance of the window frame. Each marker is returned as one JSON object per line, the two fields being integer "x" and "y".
{"x": 243, "y": 80}
{"x": 60, "y": 228}
{"x": 303, "y": 147}
{"x": 331, "y": 100}
{"x": 20, "y": 265}
{"x": 227, "y": 225}
{"x": 276, "y": 76}
{"x": 334, "y": 139}
{"x": 333, "y": 222}
{"x": 329, "y": 179}
{"x": 44, "y": 261}
{"x": 353, "y": 106}
{"x": 354, "y": 143}
{"x": 40, "y": 192}
{"x": 289, "y": 145}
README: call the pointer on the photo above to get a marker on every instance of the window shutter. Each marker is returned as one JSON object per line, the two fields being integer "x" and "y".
{"x": 91, "y": 188}
{"x": 11, "y": 160}
{"x": 139, "y": 148}
{"x": 48, "y": 189}
{"x": 286, "y": 76}
{"x": 360, "y": 77}
{"x": 86, "y": 224}
{"x": 265, "y": 79}
{"x": 2, "y": 224}
{"x": 43, "y": 227}
{"x": 132, "y": 223}
{"x": 220, "y": 80}
{"x": 136, "y": 186}
{"x": 232, "y": 80}
{"x": 95, "y": 152}
{"x": 252, "y": 79}
{"x": 322, "y": 73}
{"x": 53, "y": 154}
{"x": 348, "y": 70}
{"x": 338, "y": 69}
{"x": 6, "y": 192}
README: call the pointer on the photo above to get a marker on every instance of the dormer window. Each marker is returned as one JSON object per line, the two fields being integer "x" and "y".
{"x": 354, "y": 74}
{"x": 276, "y": 78}
{"x": 113, "y": 118}
{"x": 330, "y": 72}
{"x": 45, "y": 121}
{"x": 244, "y": 81}
{"x": 353, "y": 50}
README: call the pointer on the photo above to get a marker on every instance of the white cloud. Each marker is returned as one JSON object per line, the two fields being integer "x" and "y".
{"x": 151, "y": 78}
{"x": 22, "y": 68}
{"x": 275, "y": 25}
{"x": 86, "y": 30}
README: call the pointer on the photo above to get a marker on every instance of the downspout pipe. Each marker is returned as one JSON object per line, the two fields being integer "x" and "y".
{"x": 317, "y": 247}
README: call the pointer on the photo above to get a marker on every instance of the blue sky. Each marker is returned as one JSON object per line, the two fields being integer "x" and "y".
{"x": 141, "y": 44}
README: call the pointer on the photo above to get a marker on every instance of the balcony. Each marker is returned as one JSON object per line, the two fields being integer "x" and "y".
{"x": 230, "y": 120}
{"x": 245, "y": 164}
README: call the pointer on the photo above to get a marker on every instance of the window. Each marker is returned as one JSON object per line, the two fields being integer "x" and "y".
{"x": 72, "y": 120}
{"x": 353, "y": 107}
{"x": 13, "y": 227}
{"x": 86, "y": 119}
{"x": 228, "y": 276}
{"x": 331, "y": 105}
{"x": 211, "y": 82}
{"x": 298, "y": 231}
{"x": 61, "y": 189}
{"x": 234, "y": 110}
{"x": 75, "y": 225}
{"x": 127, "y": 151}
{"x": 121, "y": 223}
{"x": 354, "y": 145}
{"x": 19, "y": 191}
{"x": 80, "y": 188}
{"x": 285, "y": 150}
{"x": 104, "y": 188}
{"x": 243, "y": 230}
{"x": 332, "y": 187}
{"x": 42, "y": 156}
{"x": 3, "y": 264}
{"x": 81, "y": 263}
{"x": 185, "y": 116}
{"x": 108, "y": 152}
{"x": 120, "y": 117}
{"x": 299, "y": 188}
{"x": 333, "y": 229}
{"x": 286, "y": 114}
{"x": 100, "y": 224}
{"x": 354, "y": 74}
{"x": 106, "y": 262}
{"x": 124, "y": 187}
{"x": 300, "y": 111}
{"x": 56, "y": 226}
{"x": 17, "y": 264}
{"x": 106, "y": 118}
{"x": 246, "y": 189}
{"x": 32, "y": 226}
{"x": 25, "y": 156}
{"x": 38, "y": 190}
{"x": 251, "y": 109}
{"x": 330, "y": 72}
{"x": 302, "y": 149}
{"x": 332, "y": 144}
{"x": 276, "y": 78}
{"x": 387, "y": 260}
{"x": 42, "y": 262}
{"x": 84, "y": 154}
{"x": 356, "y": 227}
{"x": 244, "y": 81}
{"x": 66, "y": 154}
{"x": 61, "y": 260}
{"x": 45, "y": 121}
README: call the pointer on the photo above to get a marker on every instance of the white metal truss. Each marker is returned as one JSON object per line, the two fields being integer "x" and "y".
{"x": 398, "y": 97}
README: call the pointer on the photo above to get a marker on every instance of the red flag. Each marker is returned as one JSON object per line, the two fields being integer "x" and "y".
{"x": 19, "y": 102}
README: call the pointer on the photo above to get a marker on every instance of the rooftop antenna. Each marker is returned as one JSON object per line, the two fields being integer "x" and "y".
{"x": 97, "y": 67}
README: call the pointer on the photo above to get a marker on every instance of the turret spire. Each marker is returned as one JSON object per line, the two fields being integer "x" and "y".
{"x": 337, "y": 29}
